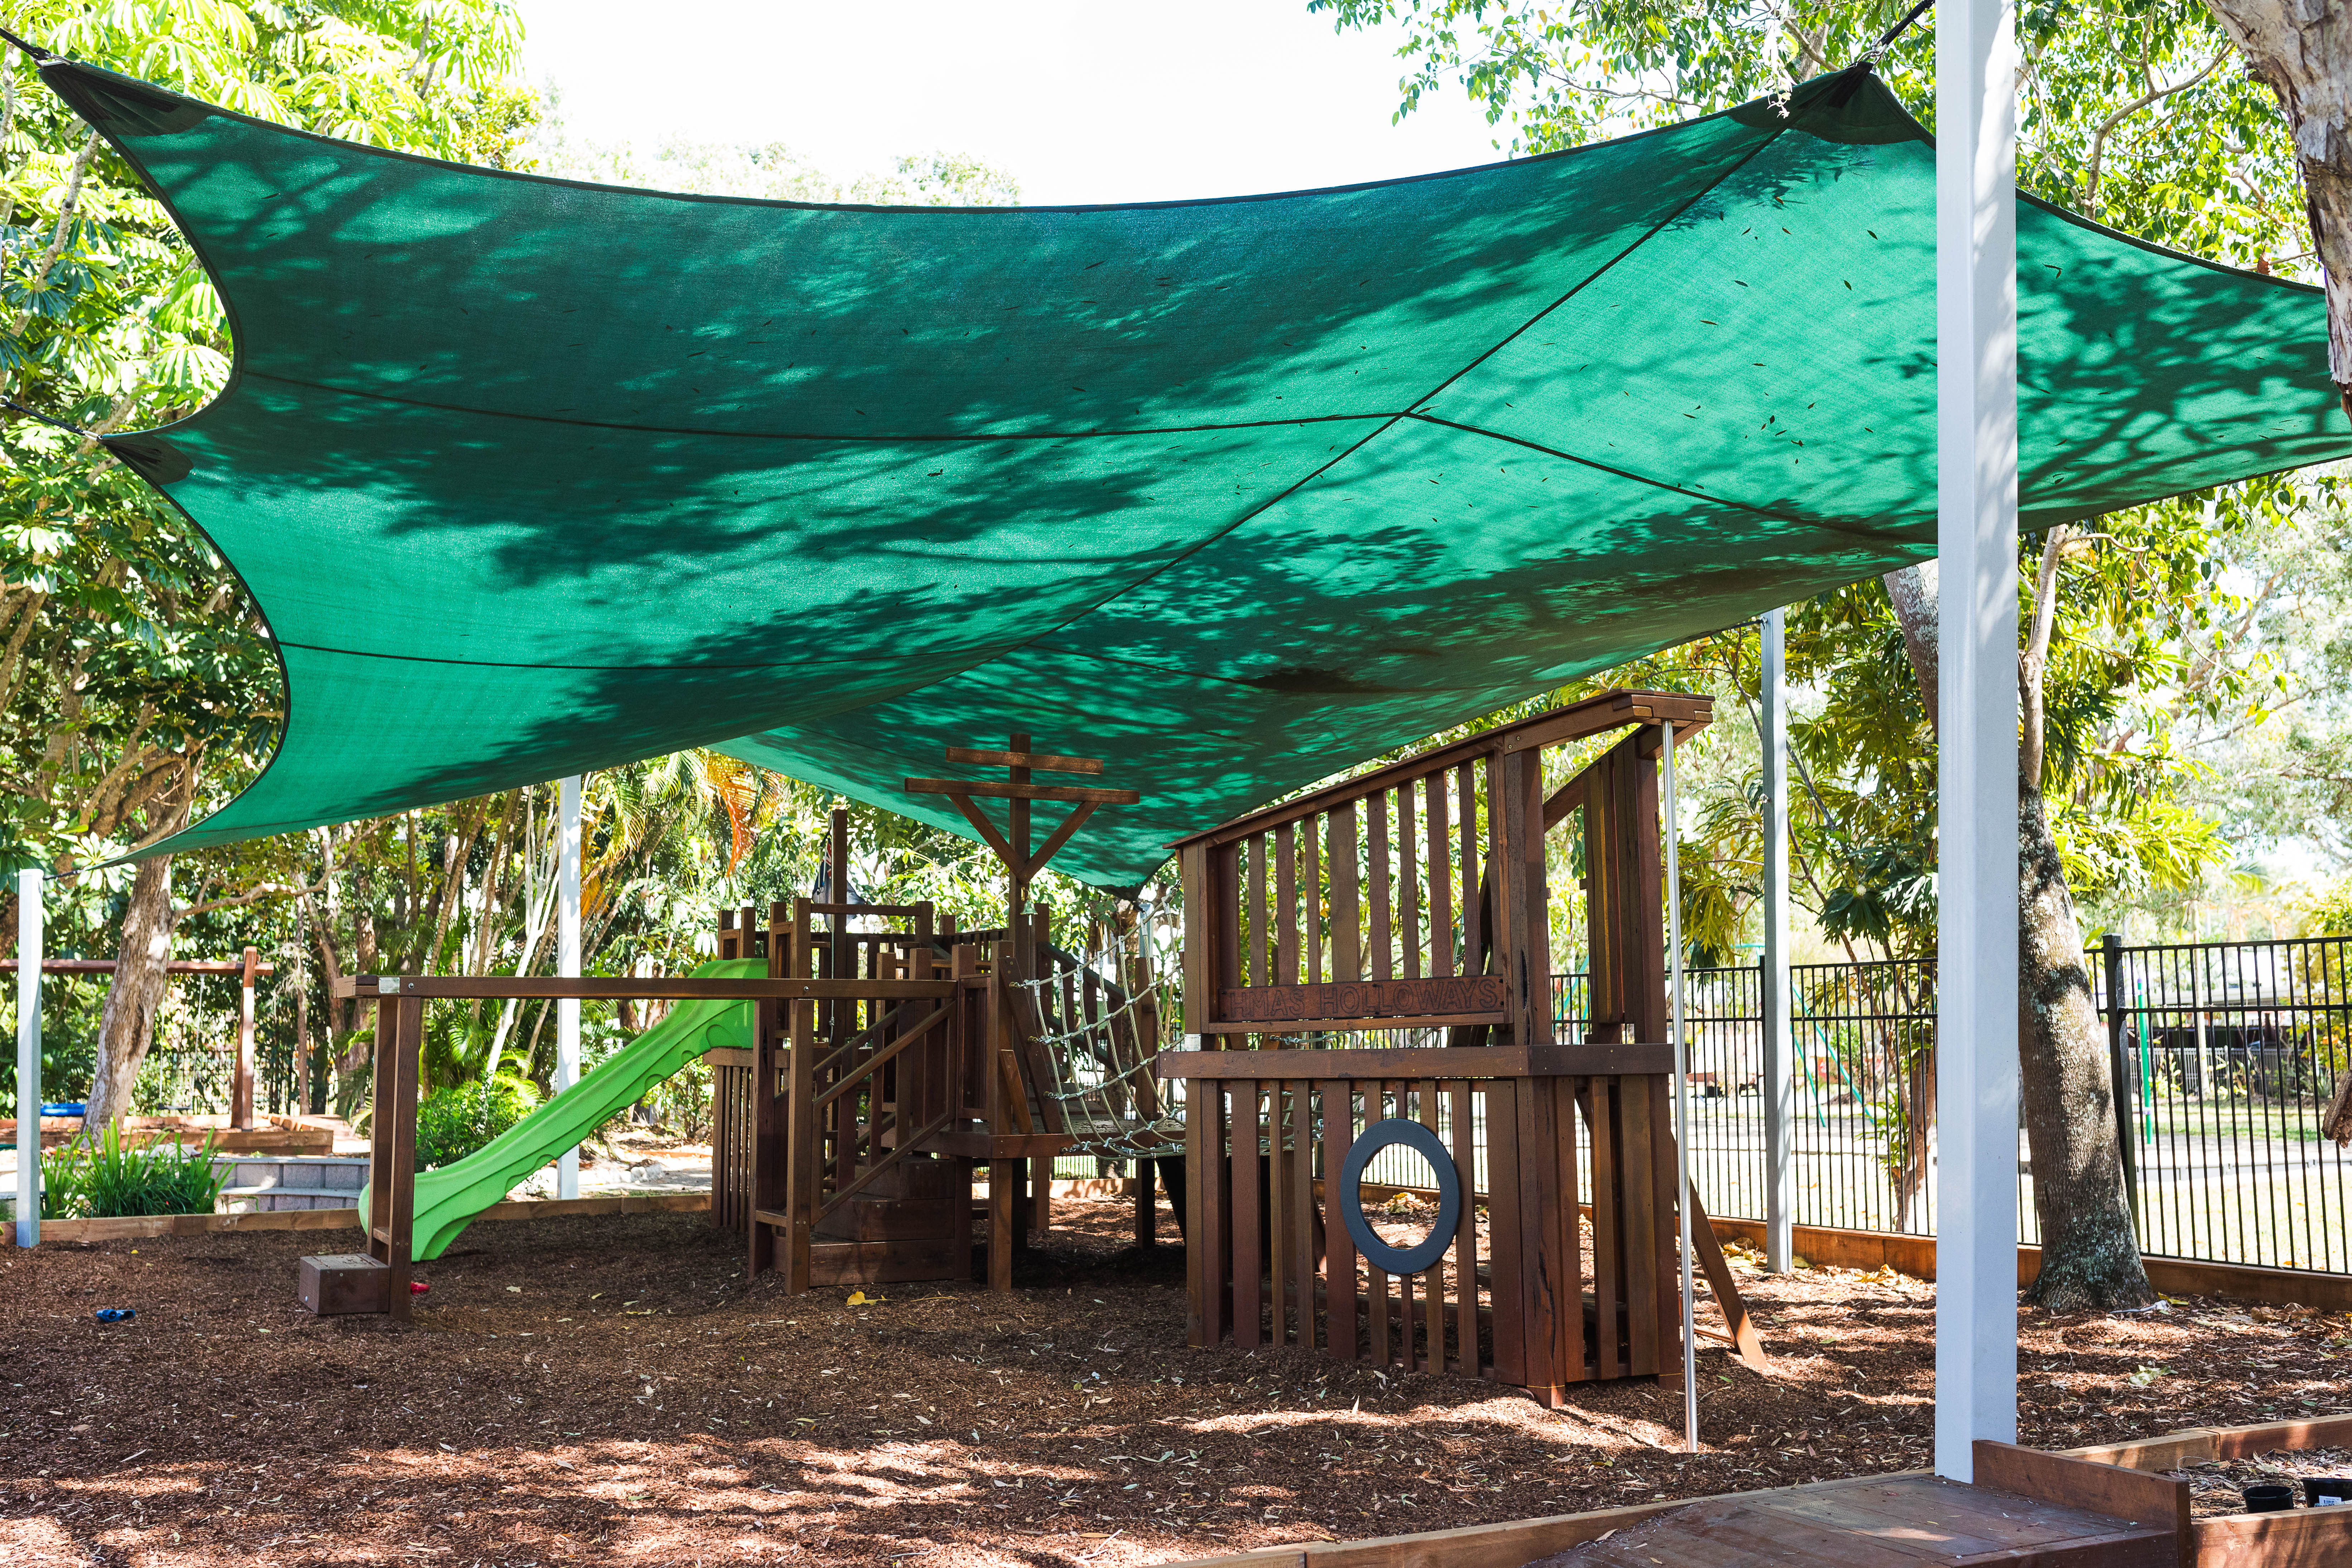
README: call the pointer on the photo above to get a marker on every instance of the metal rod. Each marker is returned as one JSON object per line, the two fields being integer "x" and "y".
{"x": 567, "y": 964}
{"x": 1976, "y": 542}
{"x": 2111, "y": 953}
{"x": 28, "y": 1057}
{"x": 1779, "y": 1093}
{"x": 1674, "y": 901}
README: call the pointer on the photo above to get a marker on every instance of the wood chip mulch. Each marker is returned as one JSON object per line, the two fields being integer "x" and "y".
{"x": 610, "y": 1390}
{"x": 2218, "y": 1486}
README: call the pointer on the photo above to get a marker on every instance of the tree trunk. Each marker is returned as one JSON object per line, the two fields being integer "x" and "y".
{"x": 2090, "y": 1256}
{"x": 2302, "y": 49}
{"x": 127, "y": 1025}
{"x": 1912, "y": 591}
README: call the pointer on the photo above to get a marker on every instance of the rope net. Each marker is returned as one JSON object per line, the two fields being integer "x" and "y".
{"x": 1102, "y": 1023}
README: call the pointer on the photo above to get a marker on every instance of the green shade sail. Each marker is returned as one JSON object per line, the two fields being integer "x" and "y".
{"x": 532, "y": 477}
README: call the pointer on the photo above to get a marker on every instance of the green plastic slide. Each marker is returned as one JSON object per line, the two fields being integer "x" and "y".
{"x": 448, "y": 1198}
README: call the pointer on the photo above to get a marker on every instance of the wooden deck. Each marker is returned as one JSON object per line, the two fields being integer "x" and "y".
{"x": 1906, "y": 1522}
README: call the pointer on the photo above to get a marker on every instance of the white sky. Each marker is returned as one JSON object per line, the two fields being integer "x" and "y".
{"x": 1082, "y": 100}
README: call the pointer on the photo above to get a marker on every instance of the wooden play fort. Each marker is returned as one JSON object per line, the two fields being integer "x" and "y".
{"x": 1371, "y": 964}
{"x": 1365, "y": 968}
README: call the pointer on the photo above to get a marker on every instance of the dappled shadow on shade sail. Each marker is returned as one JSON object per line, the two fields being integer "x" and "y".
{"x": 532, "y": 477}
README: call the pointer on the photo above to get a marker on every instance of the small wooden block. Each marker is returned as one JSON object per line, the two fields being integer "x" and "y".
{"x": 335, "y": 1284}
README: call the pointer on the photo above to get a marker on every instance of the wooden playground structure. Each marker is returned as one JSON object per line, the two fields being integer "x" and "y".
{"x": 1367, "y": 964}
{"x": 1379, "y": 952}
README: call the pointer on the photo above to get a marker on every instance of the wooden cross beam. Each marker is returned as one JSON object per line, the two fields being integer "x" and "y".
{"x": 1019, "y": 762}
{"x": 1021, "y": 863}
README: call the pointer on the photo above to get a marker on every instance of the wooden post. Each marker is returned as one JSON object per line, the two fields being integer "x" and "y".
{"x": 240, "y": 1097}
{"x": 1523, "y": 919}
{"x": 1192, "y": 870}
{"x": 391, "y": 1151}
{"x": 1146, "y": 1209}
{"x": 1024, "y": 954}
{"x": 803, "y": 1162}
{"x": 1001, "y": 1207}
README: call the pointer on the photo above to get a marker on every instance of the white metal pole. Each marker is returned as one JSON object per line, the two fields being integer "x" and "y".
{"x": 28, "y": 1057}
{"x": 1674, "y": 901}
{"x": 567, "y": 964}
{"x": 1778, "y": 1090}
{"x": 1976, "y": 999}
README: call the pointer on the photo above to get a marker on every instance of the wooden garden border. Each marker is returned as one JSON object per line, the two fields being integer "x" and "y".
{"x": 2103, "y": 1479}
{"x": 131, "y": 1227}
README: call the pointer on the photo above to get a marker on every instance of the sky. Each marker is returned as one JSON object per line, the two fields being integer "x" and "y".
{"x": 1106, "y": 101}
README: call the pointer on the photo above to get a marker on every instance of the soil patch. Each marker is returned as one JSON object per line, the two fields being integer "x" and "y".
{"x": 611, "y": 1390}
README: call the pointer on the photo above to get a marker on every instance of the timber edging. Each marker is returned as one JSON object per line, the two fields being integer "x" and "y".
{"x": 1915, "y": 1255}
{"x": 127, "y": 1228}
{"x": 1510, "y": 1543}
{"x": 2068, "y": 1478}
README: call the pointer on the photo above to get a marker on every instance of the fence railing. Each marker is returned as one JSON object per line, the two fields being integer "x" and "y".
{"x": 2223, "y": 1057}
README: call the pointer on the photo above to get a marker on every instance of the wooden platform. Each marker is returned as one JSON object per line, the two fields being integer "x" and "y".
{"x": 1911, "y": 1520}
{"x": 1903, "y": 1522}
{"x": 275, "y": 1135}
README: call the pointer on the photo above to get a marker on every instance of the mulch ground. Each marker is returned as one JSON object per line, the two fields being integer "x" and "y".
{"x": 611, "y": 1390}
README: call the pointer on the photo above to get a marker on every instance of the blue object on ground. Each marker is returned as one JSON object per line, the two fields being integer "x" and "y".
{"x": 116, "y": 1314}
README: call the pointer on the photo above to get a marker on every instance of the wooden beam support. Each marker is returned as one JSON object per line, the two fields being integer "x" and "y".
{"x": 685, "y": 988}
{"x": 1072, "y": 793}
{"x": 1037, "y": 762}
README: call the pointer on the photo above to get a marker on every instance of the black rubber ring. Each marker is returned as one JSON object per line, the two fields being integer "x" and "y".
{"x": 1385, "y": 1134}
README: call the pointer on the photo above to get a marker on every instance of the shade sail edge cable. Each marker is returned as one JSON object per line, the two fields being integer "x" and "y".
{"x": 815, "y": 435}
{"x": 1823, "y": 524}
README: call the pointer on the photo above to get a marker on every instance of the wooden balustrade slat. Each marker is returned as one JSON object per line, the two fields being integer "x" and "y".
{"x": 1256, "y": 967}
{"x": 1277, "y": 1216}
{"x": 1310, "y": 914}
{"x": 1441, "y": 880}
{"x": 1503, "y": 1196}
{"x": 1433, "y": 1287}
{"x": 1248, "y": 1201}
{"x": 1408, "y": 885}
{"x": 1474, "y": 947}
{"x": 1465, "y": 1233}
{"x": 1285, "y": 908}
{"x": 1340, "y": 1247}
{"x": 1347, "y": 919}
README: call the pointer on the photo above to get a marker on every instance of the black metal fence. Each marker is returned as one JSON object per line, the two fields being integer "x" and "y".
{"x": 2223, "y": 1056}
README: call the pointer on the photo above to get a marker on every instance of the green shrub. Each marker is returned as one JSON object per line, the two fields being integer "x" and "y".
{"x": 453, "y": 1122}
{"x": 98, "y": 1178}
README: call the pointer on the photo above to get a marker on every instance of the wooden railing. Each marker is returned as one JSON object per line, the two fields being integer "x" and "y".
{"x": 1413, "y": 896}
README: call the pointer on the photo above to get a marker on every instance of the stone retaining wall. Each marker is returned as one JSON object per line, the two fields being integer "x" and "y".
{"x": 259, "y": 1184}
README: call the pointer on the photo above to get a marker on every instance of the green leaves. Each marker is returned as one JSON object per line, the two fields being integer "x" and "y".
{"x": 129, "y": 655}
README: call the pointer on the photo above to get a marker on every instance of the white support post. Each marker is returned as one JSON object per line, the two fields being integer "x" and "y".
{"x": 28, "y": 1057}
{"x": 1976, "y": 1001}
{"x": 1779, "y": 1085}
{"x": 1671, "y": 832}
{"x": 567, "y": 964}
